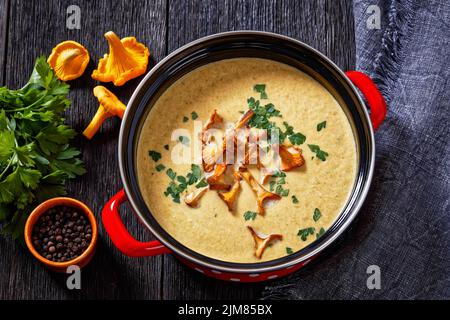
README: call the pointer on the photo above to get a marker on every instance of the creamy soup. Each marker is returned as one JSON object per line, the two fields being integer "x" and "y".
{"x": 312, "y": 196}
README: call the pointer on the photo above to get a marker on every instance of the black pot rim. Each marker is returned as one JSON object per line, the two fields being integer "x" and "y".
{"x": 354, "y": 203}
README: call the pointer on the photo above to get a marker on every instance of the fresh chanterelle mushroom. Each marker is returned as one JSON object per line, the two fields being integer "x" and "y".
{"x": 68, "y": 59}
{"x": 127, "y": 59}
{"x": 192, "y": 199}
{"x": 262, "y": 241}
{"x": 291, "y": 157}
{"x": 262, "y": 194}
{"x": 216, "y": 178}
{"x": 230, "y": 197}
{"x": 110, "y": 106}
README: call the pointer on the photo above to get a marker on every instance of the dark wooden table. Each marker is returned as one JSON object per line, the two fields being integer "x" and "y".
{"x": 31, "y": 28}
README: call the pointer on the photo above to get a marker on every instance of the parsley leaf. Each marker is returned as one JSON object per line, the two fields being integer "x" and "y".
{"x": 172, "y": 174}
{"x": 321, "y": 125}
{"x": 317, "y": 214}
{"x": 289, "y": 250}
{"x": 160, "y": 167}
{"x": 250, "y": 215}
{"x": 36, "y": 158}
{"x": 166, "y": 146}
{"x": 322, "y": 155}
{"x": 294, "y": 200}
{"x": 185, "y": 119}
{"x": 304, "y": 233}
{"x": 192, "y": 177}
{"x": 181, "y": 180}
{"x": 297, "y": 138}
{"x": 279, "y": 174}
{"x": 261, "y": 89}
{"x": 194, "y": 115}
{"x": 155, "y": 155}
{"x": 320, "y": 233}
{"x": 184, "y": 140}
{"x": 202, "y": 183}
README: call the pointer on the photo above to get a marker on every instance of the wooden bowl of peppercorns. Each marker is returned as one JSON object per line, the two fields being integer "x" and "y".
{"x": 61, "y": 232}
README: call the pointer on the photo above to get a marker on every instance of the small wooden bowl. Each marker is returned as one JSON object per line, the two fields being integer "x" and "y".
{"x": 82, "y": 259}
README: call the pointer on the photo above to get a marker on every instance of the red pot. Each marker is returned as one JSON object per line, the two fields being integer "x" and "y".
{"x": 232, "y": 45}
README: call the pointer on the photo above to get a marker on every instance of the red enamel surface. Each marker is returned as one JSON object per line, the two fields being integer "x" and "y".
{"x": 121, "y": 237}
{"x": 375, "y": 100}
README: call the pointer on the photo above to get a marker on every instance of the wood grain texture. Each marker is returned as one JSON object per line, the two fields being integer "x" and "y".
{"x": 4, "y": 8}
{"x": 34, "y": 27}
{"x": 325, "y": 25}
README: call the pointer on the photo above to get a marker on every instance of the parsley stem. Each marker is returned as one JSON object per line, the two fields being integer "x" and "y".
{"x": 7, "y": 167}
{"x": 31, "y": 105}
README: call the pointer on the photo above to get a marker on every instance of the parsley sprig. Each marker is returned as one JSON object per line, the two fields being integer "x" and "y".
{"x": 35, "y": 156}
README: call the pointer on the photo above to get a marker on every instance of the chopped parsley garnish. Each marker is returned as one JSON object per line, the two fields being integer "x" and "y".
{"x": 322, "y": 155}
{"x": 297, "y": 138}
{"x": 194, "y": 115}
{"x": 175, "y": 190}
{"x": 261, "y": 119}
{"x": 294, "y": 137}
{"x": 320, "y": 233}
{"x": 282, "y": 192}
{"x": 160, "y": 167}
{"x": 250, "y": 215}
{"x": 195, "y": 174}
{"x": 289, "y": 131}
{"x": 185, "y": 119}
{"x": 278, "y": 189}
{"x": 304, "y": 233}
{"x": 181, "y": 179}
{"x": 294, "y": 200}
{"x": 279, "y": 174}
{"x": 172, "y": 174}
{"x": 262, "y": 115}
{"x": 317, "y": 214}
{"x": 261, "y": 89}
{"x": 321, "y": 125}
{"x": 184, "y": 140}
{"x": 272, "y": 185}
{"x": 289, "y": 250}
{"x": 202, "y": 183}
{"x": 155, "y": 155}
{"x": 166, "y": 146}
{"x": 276, "y": 185}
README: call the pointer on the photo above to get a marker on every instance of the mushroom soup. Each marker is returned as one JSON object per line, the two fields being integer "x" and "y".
{"x": 246, "y": 211}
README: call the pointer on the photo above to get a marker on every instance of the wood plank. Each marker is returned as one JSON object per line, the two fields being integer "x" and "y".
{"x": 34, "y": 28}
{"x": 325, "y": 25}
{"x": 4, "y": 8}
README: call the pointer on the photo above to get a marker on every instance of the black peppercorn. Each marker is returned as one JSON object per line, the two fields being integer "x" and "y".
{"x": 62, "y": 234}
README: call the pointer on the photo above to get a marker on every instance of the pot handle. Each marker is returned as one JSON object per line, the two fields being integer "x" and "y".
{"x": 373, "y": 96}
{"x": 120, "y": 236}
